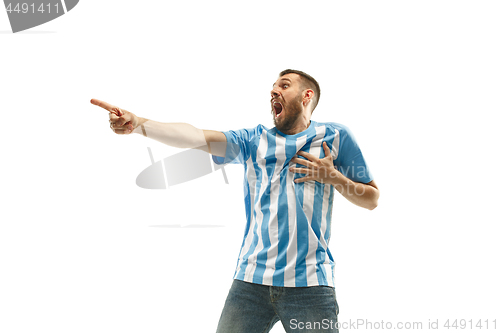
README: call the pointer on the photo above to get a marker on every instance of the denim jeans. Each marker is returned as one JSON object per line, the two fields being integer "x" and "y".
{"x": 255, "y": 308}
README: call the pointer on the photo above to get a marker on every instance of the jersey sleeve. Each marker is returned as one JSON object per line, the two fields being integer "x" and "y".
{"x": 350, "y": 161}
{"x": 238, "y": 146}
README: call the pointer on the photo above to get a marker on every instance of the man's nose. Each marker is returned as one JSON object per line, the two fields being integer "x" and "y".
{"x": 274, "y": 93}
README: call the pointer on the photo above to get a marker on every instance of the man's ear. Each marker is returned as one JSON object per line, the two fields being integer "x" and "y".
{"x": 308, "y": 96}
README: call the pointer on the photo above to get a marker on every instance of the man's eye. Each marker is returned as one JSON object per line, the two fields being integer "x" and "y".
{"x": 285, "y": 86}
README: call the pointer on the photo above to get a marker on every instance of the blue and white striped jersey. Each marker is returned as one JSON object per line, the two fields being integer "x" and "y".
{"x": 288, "y": 224}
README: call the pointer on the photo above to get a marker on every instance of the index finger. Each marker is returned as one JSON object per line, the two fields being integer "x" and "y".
{"x": 307, "y": 155}
{"x": 104, "y": 105}
{"x": 326, "y": 149}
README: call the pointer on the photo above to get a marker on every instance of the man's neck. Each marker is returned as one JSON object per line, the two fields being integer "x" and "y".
{"x": 298, "y": 128}
{"x": 301, "y": 125}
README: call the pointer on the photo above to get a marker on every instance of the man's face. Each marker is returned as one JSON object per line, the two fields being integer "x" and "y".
{"x": 286, "y": 102}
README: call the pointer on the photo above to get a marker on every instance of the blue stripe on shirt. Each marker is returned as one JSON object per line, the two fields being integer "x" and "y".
{"x": 265, "y": 203}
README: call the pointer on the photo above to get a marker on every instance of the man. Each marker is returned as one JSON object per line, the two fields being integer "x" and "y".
{"x": 285, "y": 270}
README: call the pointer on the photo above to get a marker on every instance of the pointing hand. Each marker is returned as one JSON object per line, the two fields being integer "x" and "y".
{"x": 121, "y": 121}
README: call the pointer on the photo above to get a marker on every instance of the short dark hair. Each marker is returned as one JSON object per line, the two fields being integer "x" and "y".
{"x": 308, "y": 82}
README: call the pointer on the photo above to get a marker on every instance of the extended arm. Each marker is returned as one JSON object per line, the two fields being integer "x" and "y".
{"x": 180, "y": 135}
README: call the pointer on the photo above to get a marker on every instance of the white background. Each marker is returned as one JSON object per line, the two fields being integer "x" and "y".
{"x": 83, "y": 249}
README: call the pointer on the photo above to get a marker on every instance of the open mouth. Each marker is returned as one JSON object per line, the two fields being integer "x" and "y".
{"x": 278, "y": 109}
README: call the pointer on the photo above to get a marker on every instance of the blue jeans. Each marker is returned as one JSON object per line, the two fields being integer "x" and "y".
{"x": 255, "y": 308}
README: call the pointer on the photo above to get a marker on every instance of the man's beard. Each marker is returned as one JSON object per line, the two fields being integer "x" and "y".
{"x": 286, "y": 122}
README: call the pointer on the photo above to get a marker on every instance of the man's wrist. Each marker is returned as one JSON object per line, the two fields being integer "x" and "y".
{"x": 141, "y": 121}
{"x": 139, "y": 129}
{"x": 335, "y": 177}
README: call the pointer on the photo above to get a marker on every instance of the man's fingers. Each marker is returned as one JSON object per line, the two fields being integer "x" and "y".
{"x": 327, "y": 150}
{"x": 123, "y": 130}
{"x": 303, "y": 179}
{"x": 120, "y": 121}
{"x": 301, "y": 170}
{"x": 107, "y": 106}
{"x": 120, "y": 124}
{"x": 302, "y": 161}
{"x": 102, "y": 104}
{"x": 307, "y": 155}
{"x": 117, "y": 111}
{"x": 113, "y": 117}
